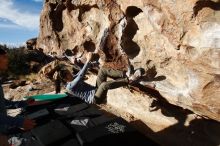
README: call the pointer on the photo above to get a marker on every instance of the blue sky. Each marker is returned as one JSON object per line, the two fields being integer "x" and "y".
{"x": 19, "y": 20}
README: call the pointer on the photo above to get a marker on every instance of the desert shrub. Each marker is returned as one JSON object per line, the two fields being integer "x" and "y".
{"x": 17, "y": 61}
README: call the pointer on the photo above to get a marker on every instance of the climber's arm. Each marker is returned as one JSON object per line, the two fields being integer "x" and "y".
{"x": 81, "y": 74}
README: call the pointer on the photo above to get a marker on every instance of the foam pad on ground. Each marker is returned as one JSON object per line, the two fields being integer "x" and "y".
{"x": 51, "y": 132}
{"x": 115, "y": 132}
{"x": 72, "y": 142}
{"x": 83, "y": 123}
{"x": 71, "y": 110}
{"x": 47, "y": 97}
{"x": 90, "y": 112}
{"x": 38, "y": 114}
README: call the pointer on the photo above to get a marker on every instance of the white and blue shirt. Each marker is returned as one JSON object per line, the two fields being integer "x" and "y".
{"x": 81, "y": 89}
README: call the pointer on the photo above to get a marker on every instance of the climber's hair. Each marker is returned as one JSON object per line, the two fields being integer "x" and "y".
{"x": 2, "y": 52}
{"x": 63, "y": 74}
{"x": 61, "y": 78}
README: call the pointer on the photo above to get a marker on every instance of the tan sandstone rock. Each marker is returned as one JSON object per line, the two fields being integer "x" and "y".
{"x": 181, "y": 38}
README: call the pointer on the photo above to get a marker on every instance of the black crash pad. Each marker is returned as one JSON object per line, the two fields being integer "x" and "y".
{"x": 82, "y": 123}
{"x": 115, "y": 132}
{"x": 51, "y": 132}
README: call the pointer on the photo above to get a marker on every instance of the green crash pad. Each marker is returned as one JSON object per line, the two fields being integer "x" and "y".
{"x": 47, "y": 97}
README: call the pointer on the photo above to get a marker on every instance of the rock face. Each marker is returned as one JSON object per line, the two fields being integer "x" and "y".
{"x": 177, "y": 42}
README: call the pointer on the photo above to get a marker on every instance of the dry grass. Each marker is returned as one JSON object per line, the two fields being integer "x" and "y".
{"x": 31, "y": 77}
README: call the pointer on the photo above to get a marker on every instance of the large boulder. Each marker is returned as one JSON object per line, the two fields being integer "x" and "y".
{"x": 179, "y": 39}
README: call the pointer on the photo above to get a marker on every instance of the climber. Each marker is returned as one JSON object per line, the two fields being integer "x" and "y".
{"x": 122, "y": 75}
{"x": 60, "y": 65}
{"x": 52, "y": 71}
{"x": 7, "y": 122}
{"x": 91, "y": 94}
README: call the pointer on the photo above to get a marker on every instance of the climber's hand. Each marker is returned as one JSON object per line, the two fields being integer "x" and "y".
{"x": 89, "y": 56}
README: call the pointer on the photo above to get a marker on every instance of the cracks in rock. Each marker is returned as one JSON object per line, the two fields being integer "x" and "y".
{"x": 165, "y": 62}
{"x": 58, "y": 39}
{"x": 205, "y": 3}
{"x": 103, "y": 39}
{"x": 190, "y": 50}
{"x": 128, "y": 45}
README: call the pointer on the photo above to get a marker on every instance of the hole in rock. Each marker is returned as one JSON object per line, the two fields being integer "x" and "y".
{"x": 69, "y": 52}
{"x": 89, "y": 46}
{"x": 133, "y": 11}
{"x": 205, "y": 4}
{"x": 128, "y": 45}
{"x": 56, "y": 16}
{"x": 131, "y": 48}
